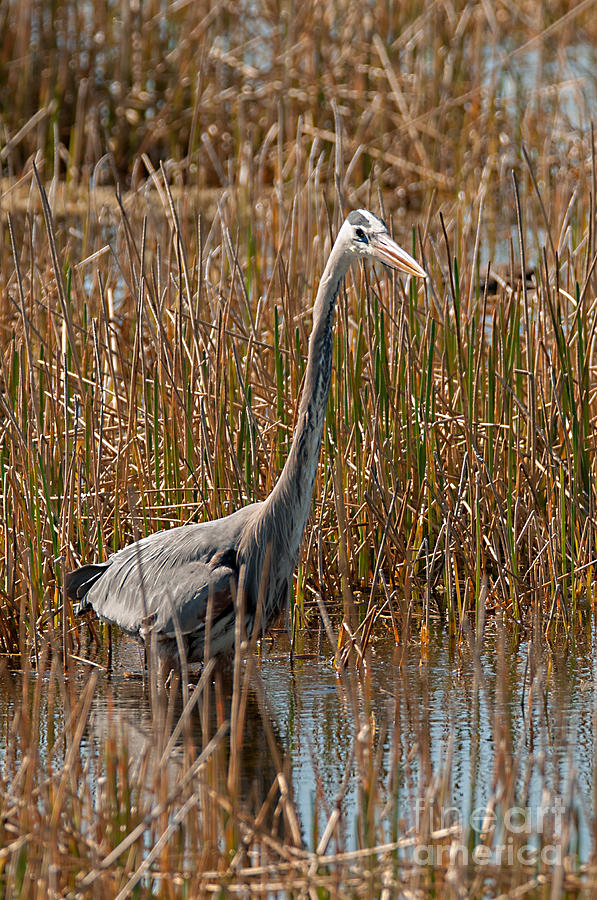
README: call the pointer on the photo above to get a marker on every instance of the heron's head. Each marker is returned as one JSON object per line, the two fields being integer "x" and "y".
{"x": 367, "y": 236}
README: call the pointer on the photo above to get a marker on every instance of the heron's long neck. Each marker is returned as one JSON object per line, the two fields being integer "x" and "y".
{"x": 287, "y": 508}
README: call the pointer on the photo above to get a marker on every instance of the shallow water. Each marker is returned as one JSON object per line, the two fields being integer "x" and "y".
{"x": 442, "y": 695}
{"x": 425, "y": 706}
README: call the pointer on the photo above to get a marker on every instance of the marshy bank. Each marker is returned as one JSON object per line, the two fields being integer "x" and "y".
{"x": 153, "y": 344}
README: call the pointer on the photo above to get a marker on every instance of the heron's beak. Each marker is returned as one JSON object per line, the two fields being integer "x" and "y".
{"x": 388, "y": 252}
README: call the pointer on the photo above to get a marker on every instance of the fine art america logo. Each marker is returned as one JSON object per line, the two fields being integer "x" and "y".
{"x": 524, "y": 835}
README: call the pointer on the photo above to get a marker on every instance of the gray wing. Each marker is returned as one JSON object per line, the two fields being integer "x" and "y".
{"x": 167, "y": 576}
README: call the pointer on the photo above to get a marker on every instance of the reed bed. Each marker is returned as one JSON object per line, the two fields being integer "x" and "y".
{"x": 151, "y": 366}
{"x": 171, "y": 183}
{"x": 217, "y": 91}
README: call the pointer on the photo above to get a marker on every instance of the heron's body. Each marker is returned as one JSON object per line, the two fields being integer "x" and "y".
{"x": 169, "y": 581}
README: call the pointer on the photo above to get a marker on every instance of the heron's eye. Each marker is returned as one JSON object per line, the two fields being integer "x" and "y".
{"x": 361, "y": 235}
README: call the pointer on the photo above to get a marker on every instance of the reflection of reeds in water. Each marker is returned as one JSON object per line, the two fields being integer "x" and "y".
{"x": 134, "y": 779}
{"x": 130, "y": 786}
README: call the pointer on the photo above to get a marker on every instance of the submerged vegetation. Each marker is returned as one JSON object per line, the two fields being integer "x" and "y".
{"x": 172, "y": 179}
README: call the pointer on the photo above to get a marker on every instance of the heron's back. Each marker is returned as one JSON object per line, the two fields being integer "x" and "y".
{"x": 167, "y": 577}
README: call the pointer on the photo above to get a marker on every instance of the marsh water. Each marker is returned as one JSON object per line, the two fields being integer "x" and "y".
{"x": 446, "y": 711}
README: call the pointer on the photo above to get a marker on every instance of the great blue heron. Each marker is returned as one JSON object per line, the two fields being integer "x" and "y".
{"x": 174, "y": 581}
